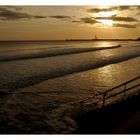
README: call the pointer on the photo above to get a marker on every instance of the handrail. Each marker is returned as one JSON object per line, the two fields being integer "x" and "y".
{"x": 103, "y": 94}
{"x": 123, "y": 91}
{"x": 122, "y": 84}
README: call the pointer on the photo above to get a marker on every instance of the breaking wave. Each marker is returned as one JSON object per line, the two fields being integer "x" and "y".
{"x": 41, "y": 53}
{"x": 31, "y": 72}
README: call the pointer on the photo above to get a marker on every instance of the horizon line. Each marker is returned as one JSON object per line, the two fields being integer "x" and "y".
{"x": 74, "y": 39}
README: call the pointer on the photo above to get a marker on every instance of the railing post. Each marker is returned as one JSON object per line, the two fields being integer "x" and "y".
{"x": 103, "y": 99}
{"x": 124, "y": 89}
{"x": 82, "y": 107}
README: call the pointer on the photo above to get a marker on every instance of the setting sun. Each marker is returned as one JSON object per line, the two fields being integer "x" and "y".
{"x": 106, "y": 22}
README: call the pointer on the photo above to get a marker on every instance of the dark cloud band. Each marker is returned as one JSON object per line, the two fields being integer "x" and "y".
{"x": 119, "y": 8}
{"x": 6, "y": 14}
{"x": 60, "y": 17}
{"x": 125, "y": 25}
{"x": 117, "y": 18}
{"x": 89, "y": 20}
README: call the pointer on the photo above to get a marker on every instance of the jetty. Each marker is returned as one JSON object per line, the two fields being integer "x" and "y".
{"x": 102, "y": 39}
{"x": 138, "y": 39}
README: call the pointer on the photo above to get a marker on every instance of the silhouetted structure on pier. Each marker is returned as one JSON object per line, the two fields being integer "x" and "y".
{"x": 138, "y": 39}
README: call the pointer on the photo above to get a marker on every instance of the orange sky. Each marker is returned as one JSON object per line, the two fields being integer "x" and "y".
{"x": 61, "y": 22}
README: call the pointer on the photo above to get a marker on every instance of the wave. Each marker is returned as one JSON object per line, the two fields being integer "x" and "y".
{"x": 40, "y": 70}
{"x": 39, "y": 53}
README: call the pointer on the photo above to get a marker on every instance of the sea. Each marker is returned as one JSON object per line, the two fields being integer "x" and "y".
{"x": 45, "y": 79}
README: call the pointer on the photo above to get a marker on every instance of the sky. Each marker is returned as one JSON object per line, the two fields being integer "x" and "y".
{"x": 71, "y": 22}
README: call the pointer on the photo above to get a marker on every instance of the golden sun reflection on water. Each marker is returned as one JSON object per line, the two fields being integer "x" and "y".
{"x": 106, "y": 74}
{"x": 106, "y": 44}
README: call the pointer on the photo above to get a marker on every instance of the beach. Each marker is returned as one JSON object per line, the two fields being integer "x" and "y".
{"x": 46, "y": 80}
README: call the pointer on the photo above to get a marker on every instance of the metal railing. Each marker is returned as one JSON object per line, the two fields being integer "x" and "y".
{"x": 104, "y": 96}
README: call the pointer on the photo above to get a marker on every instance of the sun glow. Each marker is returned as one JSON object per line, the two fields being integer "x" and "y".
{"x": 107, "y": 14}
{"x": 106, "y": 22}
{"x": 103, "y": 18}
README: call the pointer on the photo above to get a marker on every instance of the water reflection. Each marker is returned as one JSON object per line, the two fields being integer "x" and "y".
{"x": 115, "y": 74}
{"x": 106, "y": 43}
{"x": 105, "y": 75}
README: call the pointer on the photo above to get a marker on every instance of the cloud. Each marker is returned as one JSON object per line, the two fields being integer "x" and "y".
{"x": 97, "y": 10}
{"x": 118, "y": 18}
{"x": 137, "y": 7}
{"x": 60, "y": 17}
{"x": 89, "y": 20}
{"x": 8, "y": 14}
{"x": 39, "y": 16}
{"x": 76, "y": 21}
{"x": 94, "y": 20}
{"x": 125, "y": 25}
{"x": 16, "y": 8}
{"x": 119, "y": 8}
{"x": 138, "y": 13}
{"x": 122, "y": 8}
